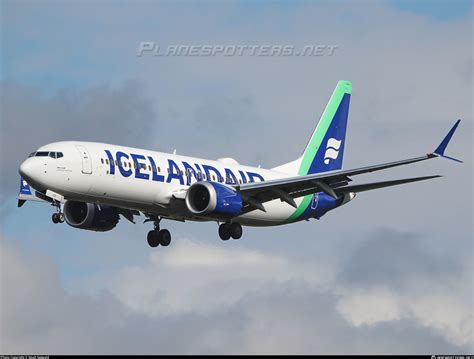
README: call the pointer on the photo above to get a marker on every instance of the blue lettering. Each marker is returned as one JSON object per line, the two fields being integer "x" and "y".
{"x": 188, "y": 169}
{"x": 230, "y": 177}
{"x": 242, "y": 174}
{"x": 208, "y": 169}
{"x": 139, "y": 166}
{"x": 123, "y": 171}
{"x": 198, "y": 173}
{"x": 253, "y": 175}
{"x": 174, "y": 172}
{"x": 111, "y": 162}
{"x": 155, "y": 175}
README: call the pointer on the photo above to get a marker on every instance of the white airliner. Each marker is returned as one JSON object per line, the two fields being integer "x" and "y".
{"x": 93, "y": 184}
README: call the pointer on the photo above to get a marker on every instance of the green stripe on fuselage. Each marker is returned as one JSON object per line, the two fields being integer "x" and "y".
{"x": 342, "y": 88}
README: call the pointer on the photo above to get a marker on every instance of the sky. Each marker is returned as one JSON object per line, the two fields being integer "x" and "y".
{"x": 390, "y": 272}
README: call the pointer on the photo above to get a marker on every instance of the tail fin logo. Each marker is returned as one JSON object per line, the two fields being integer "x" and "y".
{"x": 332, "y": 150}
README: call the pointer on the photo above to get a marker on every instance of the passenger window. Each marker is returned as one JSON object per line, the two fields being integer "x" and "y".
{"x": 107, "y": 160}
{"x": 102, "y": 160}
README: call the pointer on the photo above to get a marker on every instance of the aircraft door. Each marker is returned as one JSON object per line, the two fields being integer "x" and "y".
{"x": 86, "y": 160}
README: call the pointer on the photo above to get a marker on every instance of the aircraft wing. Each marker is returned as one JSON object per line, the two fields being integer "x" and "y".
{"x": 332, "y": 183}
{"x": 375, "y": 185}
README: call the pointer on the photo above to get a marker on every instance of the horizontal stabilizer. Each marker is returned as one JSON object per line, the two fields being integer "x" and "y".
{"x": 376, "y": 185}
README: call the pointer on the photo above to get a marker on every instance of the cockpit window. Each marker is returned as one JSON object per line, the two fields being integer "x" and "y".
{"x": 46, "y": 154}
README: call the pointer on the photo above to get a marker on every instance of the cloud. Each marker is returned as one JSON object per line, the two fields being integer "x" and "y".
{"x": 393, "y": 276}
{"x": 199, "y": 298}
{"x": 180, "y": 280}
{"x": 400, "y": 260}
{"x": 122, "y": 115}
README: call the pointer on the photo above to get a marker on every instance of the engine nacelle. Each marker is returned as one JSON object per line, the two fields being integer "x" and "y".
{"x": 323, "y": 203}
{"x": 90, "y": 216}
{"x": 213, "y": 198}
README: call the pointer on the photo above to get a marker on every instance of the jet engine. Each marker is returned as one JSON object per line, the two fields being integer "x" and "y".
{"x": 90, "y": 216}
{"x": 208, "y": 198}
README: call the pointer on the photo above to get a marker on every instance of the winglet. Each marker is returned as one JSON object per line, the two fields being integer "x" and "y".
{"x": 439, "y": 151}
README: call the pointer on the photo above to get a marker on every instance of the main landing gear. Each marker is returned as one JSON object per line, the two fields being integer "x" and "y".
{"x": 58, "y": 217}
{"x": 227, "y": 230}
{"x": 158, "y": 237}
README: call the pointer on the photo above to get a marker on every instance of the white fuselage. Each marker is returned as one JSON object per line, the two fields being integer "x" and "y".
{"x": 147, "y": 181}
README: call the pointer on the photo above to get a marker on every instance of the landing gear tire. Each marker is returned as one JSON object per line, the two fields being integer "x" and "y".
{"x": 164, "y": 237}
{"x": 152, "y": 238}
{"x": 224, "y": 231}
{"x": 236, "y": 230}
{"x": 159, "y": 237}
{"x": 55, "y": 218}
{"x": 61, "y": 217}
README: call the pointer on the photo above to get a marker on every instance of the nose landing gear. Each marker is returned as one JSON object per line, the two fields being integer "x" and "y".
{"x": 58, "y": 217}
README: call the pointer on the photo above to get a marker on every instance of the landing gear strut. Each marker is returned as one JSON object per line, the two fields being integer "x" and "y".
{"x": 156, "y": 236}
{"x": 227, "y": 230}
{"x": 57, "y": 217}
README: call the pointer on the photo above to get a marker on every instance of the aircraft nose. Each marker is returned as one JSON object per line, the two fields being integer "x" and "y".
{"x": 30, "y": 170}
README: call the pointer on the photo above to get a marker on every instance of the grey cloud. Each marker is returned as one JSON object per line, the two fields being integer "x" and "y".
{"x": 388, "y": 257}
{"x": 38, "y": 315}
{"x": 122, "y": 115}
{"x": 231, "y": 123}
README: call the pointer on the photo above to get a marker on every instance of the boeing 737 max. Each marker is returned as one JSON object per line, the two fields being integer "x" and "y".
{"x": 93, "y": 184}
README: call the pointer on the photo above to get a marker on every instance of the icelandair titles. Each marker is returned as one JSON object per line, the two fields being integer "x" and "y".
{"x": 174, "y": 172}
